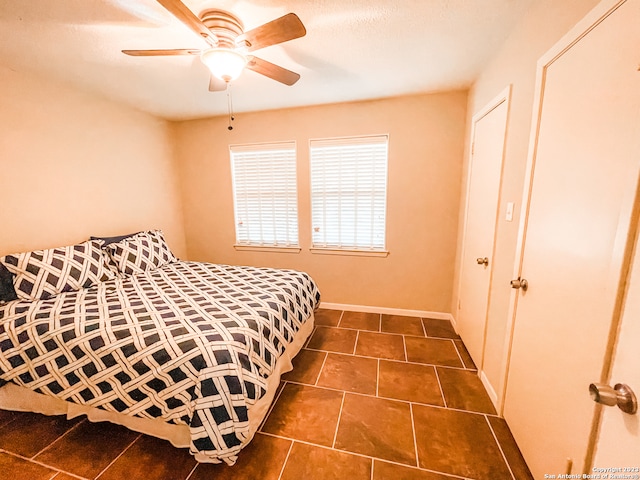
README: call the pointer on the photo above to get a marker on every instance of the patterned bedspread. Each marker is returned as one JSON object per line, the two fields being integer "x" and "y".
{"x": 190, "y": 343}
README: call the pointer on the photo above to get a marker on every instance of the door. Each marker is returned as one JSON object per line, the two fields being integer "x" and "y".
{"x": 574, "y": 236}
{"x": 619, "y": 440}
{"x": 485, "y": 169}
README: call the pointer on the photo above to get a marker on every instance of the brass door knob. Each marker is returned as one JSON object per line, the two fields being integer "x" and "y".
{"x": 620, "y": 395}
{"x": 520, "y": 283}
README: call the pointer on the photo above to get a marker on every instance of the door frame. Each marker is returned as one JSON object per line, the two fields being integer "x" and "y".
{"x": 503, "y": 97}
{"x": 623, "y": 243}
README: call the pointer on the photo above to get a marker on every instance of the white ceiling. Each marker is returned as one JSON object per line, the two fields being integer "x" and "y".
{"x": 353, "y": 50}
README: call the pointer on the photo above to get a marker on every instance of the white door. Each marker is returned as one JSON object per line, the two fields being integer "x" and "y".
{"x": 485, "y": 169}
{"x": 619, "y": 441}
{"x": 584, "y": 167}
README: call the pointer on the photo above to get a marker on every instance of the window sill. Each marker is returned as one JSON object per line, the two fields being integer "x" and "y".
{"x": 265, "y": 248}
{"x": 345, "y": 251}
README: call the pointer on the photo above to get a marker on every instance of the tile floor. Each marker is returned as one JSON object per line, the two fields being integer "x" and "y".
{"x": 371, "y": 397}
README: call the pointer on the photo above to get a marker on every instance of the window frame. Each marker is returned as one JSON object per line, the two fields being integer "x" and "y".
{"x": 255, "y": 245}
{"x": 331, "y": 249}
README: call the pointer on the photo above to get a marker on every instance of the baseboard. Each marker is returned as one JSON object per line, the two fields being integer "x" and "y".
{"x": 453, "y": 323}
{"x": 387, "y": 311}
{"x": 489, "y": 388}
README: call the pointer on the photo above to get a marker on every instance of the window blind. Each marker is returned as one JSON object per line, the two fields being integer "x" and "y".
{"x": 265, "y": 194}
{"x": 349, "y": 192}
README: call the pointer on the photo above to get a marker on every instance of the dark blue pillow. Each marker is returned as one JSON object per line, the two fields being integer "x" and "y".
{"x": 107, "y": 240}
{"x": 7, "y": 291}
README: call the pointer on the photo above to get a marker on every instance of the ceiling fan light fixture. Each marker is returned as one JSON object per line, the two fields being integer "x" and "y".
{"x": 224, "y": 63}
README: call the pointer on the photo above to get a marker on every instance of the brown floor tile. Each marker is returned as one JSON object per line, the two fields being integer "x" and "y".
{"x": 262, "y": 459}
{"x": 386, "y": 471}
{"x": 439, "y": 328}
{"x": 463, "y": 390}
{"x": 350, "y": 373}
{"x": 306, "y": 367}
{"x": 510, "y": 449}
{"x": 333, "y": 340}
{"x": 410, "y": 382}
{"x": 6, "y": 416}
{"x": 433, "y": 351}
{"x": 403, "y": 325}
{"x": 361, "y": 321}
{"x": 328, "y": 318}
{"x": 88, "y": 448}
{"x": 377, "y": 427}
{"x": 31, "y": 432}
{"x": 309, "y": 462}
{"x": 464, "y": 354}
{"x": 18, "y": 469}
{"x": 459, "y": 443}
{"x": 150, "y": 458}
{"x": 380, "y": 345}
{"x": 305, "y": 413}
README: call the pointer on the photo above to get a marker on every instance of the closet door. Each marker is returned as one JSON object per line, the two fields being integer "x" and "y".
{"x": 485, "y": 172}
{"x": 575, "y": 236}
{"x": 619, "y": 439}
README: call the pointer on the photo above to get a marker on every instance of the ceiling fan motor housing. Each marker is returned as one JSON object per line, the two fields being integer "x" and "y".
{"x": 224, "y": 25}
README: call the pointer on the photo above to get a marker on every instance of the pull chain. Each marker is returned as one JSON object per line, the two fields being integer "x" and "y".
{"x": 230, "y": 106}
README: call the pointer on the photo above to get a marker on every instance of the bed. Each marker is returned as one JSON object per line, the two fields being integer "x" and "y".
{"x": 123, "y": 331}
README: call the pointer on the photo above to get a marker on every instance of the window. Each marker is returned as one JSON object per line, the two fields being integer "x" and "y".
{"x": 349, "y": 193}
{"x": 265, "y": 196}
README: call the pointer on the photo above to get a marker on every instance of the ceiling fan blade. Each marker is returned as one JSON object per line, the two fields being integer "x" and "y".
{"x": 272, "y": 71}
{"x": 277, "y": 31}
{"x": 216, "y": 85}
{"x": 186, "y": 16}
{"x": 157, "y": 53}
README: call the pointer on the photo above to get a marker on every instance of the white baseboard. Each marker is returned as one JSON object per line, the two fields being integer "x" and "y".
{"x": 453, "y": 323}
{"x": 490, "y": 390}
{"x": 387, "y": 311}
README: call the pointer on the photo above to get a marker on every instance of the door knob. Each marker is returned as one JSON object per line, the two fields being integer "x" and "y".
{"x": 482, "y": 261}
{"x": 620, "y": 395}
{"x": 520, "y": 283}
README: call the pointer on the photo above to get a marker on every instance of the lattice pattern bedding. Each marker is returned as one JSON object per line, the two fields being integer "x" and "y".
{"x": 190, "y": 343}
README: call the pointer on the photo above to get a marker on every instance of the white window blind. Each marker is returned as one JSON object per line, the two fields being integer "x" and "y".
{"x": 265, "y": 195}
{"x": 349, "y": 193}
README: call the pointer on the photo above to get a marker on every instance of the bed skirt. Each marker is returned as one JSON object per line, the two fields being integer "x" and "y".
{"x": 21, "y": 399}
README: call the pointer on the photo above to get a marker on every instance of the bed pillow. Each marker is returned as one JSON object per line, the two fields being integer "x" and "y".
{"x": 7, "y": 291}
{"x": 43, "y": 273}
{"x": 109, "y": 240}
{"x": 140, "y": 253}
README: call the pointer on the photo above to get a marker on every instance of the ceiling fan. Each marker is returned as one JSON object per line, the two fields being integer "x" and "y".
{"x": 229, "y": 45}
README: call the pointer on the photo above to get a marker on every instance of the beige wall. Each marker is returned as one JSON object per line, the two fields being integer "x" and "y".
{"x": 545, "y": 23}
{"x": 426, "y": 148}
{"x": 74, "y": 166}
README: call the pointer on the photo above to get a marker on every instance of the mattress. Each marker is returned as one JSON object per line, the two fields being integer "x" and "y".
{"x": 190, "y": 345}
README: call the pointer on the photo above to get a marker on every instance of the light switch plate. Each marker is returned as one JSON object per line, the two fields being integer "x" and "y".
{"x": 509, "y": 215}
